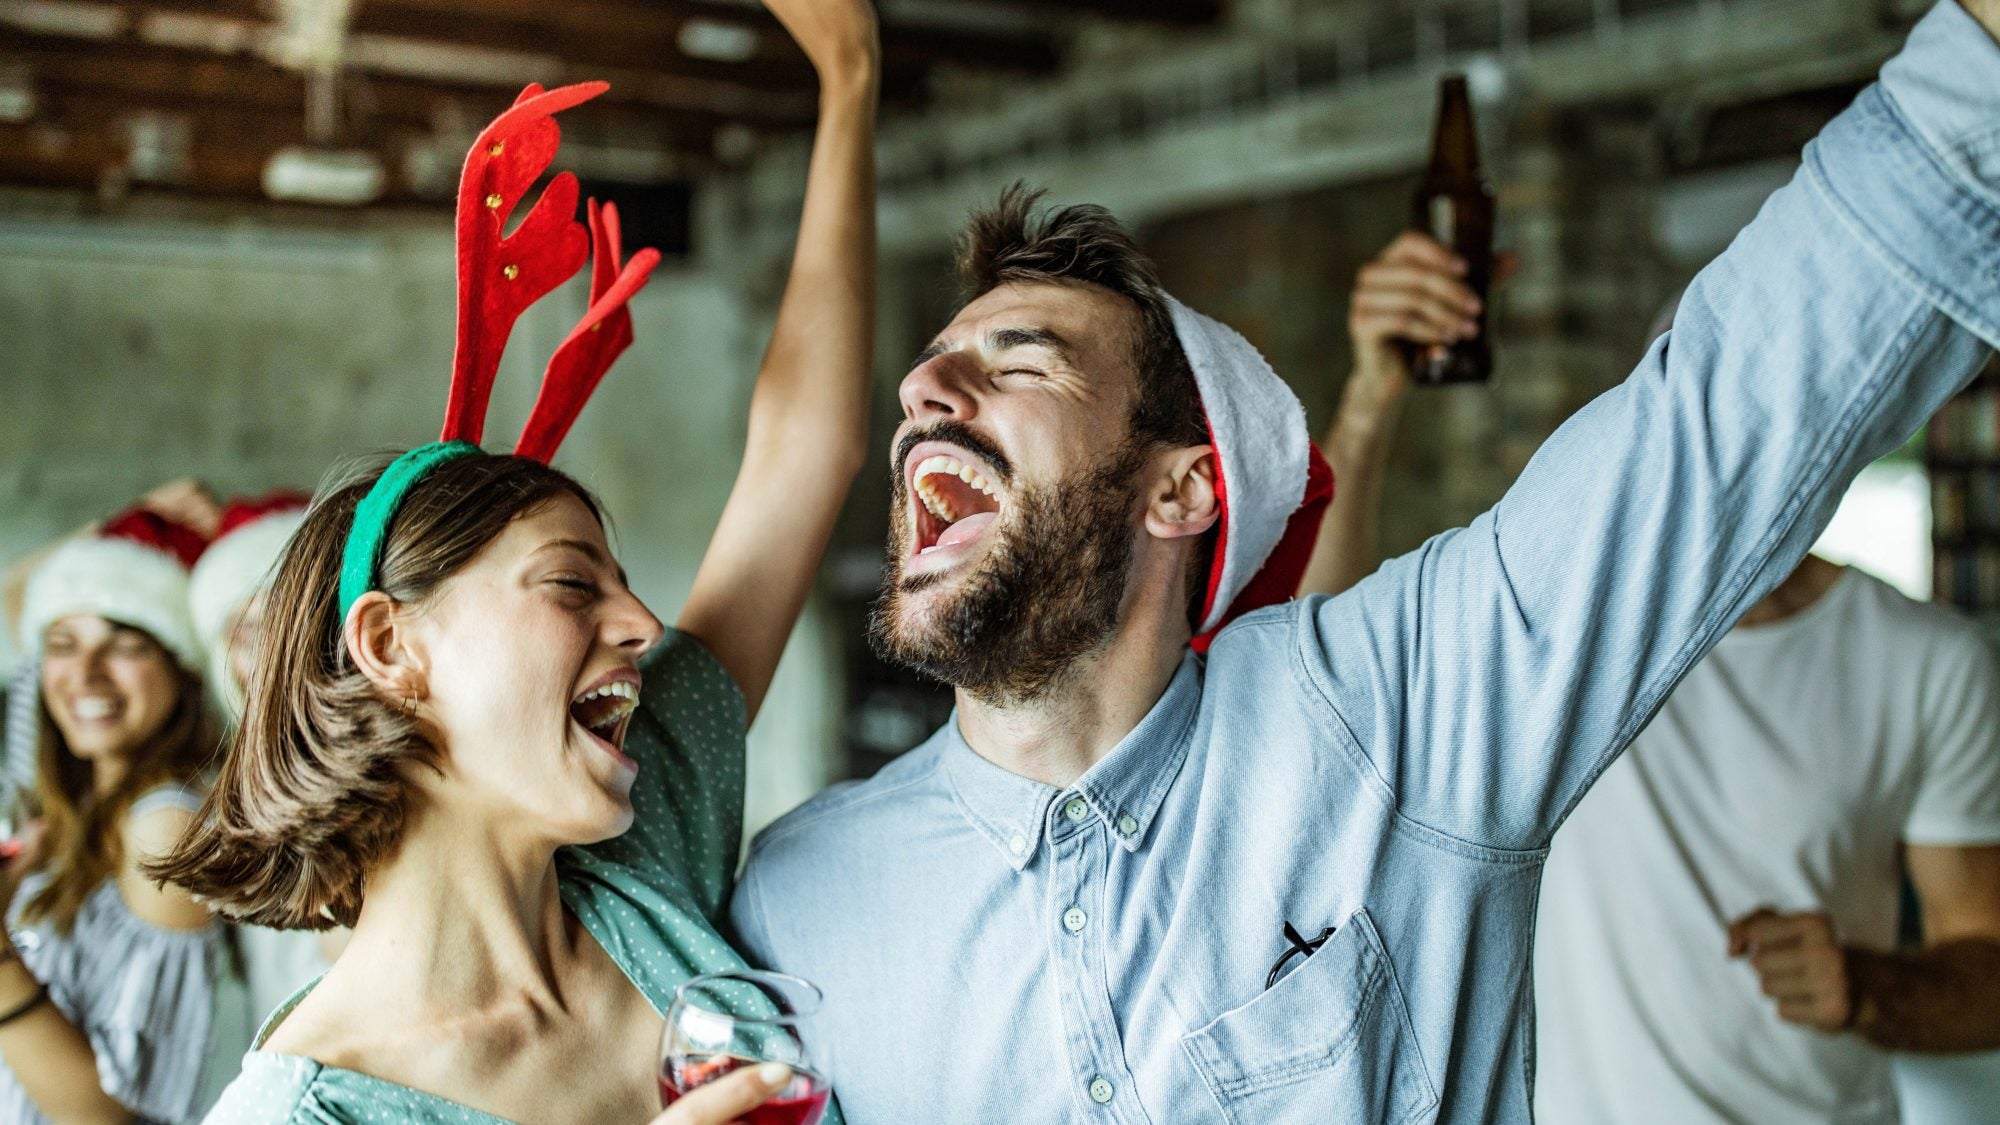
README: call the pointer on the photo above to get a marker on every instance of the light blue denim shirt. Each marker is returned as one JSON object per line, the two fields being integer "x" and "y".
{"x": 1393, "y": 762}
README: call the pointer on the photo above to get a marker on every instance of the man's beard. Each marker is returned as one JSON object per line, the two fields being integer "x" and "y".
{"x": 1047, "y": 593}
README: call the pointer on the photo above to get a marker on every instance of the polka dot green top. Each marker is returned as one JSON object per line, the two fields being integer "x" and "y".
{"x": 651, "y": 897}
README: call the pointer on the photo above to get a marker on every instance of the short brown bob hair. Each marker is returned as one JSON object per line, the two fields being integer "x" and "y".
{"x": 314, "y": 787}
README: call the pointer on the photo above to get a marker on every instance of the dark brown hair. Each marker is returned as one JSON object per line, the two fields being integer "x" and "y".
{"x": 84, "y": 838}
{"x": 1017, "y": 241}
{"x": 315, "y": 786}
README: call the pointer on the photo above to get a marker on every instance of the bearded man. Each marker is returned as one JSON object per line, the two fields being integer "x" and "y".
{"x": 1288, "y": 871}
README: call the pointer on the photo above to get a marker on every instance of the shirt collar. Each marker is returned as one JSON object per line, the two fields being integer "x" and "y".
{"x": 1123, "y": 791}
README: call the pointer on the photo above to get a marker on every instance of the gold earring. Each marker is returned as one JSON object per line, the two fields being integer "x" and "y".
{"x": 409, "y": 705}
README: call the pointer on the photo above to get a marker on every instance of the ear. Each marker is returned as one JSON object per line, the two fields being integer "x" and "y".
{"x": 382, "y": 645}
{"x": 1180, "y": 493}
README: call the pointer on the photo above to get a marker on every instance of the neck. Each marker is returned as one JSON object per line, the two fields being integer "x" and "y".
{"x": 1057, "y": 736}
{"x": 460, "y": 919}
{"x": 106, "y": 773}
{"x": 1800, "y": 589}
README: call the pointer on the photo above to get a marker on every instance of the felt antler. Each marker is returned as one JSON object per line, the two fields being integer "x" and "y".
{"x": 500, "y": 277}
{"x": 589, "y": 350}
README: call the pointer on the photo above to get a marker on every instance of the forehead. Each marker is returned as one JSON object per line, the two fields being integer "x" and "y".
{"x": 563, "y": 518}
{"x": 90, "y": 627}
{"x": 1099, "y": 326}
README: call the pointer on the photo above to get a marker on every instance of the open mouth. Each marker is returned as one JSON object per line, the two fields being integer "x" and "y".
{"x": 95, "y": 709}
{"x": 605, "y": 711}
{"x": 955, "y": 505}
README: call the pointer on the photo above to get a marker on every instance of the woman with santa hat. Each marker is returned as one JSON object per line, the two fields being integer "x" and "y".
{"x": 117, "y": 994}
{"x": 226, "y": 596}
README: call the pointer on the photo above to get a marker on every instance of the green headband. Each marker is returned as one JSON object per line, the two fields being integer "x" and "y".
{"x": 363, "y": 553}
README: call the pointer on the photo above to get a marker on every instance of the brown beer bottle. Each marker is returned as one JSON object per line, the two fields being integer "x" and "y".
{"x": 1455, "y": 207}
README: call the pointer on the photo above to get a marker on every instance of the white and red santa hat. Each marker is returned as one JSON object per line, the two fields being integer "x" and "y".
{"x": 1270, "y": 479}
{"x": 253, "y": 535}
{"x": 133, "y": 570}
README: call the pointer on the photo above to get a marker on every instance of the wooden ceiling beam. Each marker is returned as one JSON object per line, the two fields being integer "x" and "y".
{"x": 170, "y": 78}
{"x": 767, "y": 94}
{"x": 1187, "y": 13}
{"x": 96, "y": 160}
{"x": 586, "y": 27}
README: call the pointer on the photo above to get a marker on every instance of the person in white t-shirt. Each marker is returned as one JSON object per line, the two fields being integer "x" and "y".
{"x": 1719, "y": 914}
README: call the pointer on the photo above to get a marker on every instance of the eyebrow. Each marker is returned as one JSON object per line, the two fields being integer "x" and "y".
{"x": 1001, "y": 339}
{"x": 587, "y": 550}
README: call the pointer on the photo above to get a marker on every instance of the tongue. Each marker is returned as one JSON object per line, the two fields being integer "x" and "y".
{"x": 966, "y": 530}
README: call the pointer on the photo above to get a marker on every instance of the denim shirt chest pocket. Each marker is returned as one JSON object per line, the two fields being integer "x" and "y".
{"x": 1331, "y": 1041}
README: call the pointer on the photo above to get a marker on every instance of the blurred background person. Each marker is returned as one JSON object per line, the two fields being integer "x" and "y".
{"x": 118, "y": 998}
{"x": 226, "y": 596}
{"x": 1837, "y": 737}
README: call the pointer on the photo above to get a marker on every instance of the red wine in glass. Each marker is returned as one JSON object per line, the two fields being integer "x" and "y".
{"x": 801, "y": 1102}
{"x": 722, "y": 1022}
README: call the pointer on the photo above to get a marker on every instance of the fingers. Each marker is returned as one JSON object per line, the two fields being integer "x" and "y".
{"x": 1414, "y": 301}
{"x": 1408, "y": 315}
{"x": 1799, "y": 964}
{"x": 1766, "y": 931}
{"x": 1741, "y": 930}
{"x": 726, "y": 1099}
{"x": 1414, "y": 247}
{"x": 1419, "y": 279}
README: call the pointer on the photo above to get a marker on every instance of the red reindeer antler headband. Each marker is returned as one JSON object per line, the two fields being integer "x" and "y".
{"x": 499, "y": 276}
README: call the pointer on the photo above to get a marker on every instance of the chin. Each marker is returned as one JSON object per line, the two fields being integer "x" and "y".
{"x": 604, "y": 828}
{"x": 97, "y": 748}
{"x": 608, "y": 821}
{"x": 610, "y": 815}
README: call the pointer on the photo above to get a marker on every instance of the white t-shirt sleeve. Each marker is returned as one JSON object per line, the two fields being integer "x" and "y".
{"x": 1957, "y": 801}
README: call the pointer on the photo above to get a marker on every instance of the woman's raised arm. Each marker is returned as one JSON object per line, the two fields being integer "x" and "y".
{"x": 809, "y": 411}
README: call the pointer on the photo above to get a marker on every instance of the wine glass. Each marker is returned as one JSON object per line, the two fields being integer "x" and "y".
{"x": 720, "y": 1022}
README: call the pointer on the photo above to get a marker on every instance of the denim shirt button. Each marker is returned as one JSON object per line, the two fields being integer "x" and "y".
{"x": 1127, "y": 826}
{"x": 1018, "y": 845}
{"x": 1074, "y": 920}
{"x": 1077, "y": 808}
{"x": 1100, "y": 1091}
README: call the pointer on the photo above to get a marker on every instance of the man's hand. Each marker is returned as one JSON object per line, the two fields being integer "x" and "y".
{"x": 1800, "y": 964}
{"x": 1413, "y": 291}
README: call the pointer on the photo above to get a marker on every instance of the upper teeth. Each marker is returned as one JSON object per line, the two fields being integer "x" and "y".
{"x": 950, "y": 466}
{"x": 92, "y": 708}
{"x": 620, "y": 688}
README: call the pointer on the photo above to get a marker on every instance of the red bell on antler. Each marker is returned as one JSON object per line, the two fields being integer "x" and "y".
{"x": 588, "y": 352}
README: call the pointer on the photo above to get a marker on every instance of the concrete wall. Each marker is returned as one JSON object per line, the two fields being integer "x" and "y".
{"x": 254, "y": 355}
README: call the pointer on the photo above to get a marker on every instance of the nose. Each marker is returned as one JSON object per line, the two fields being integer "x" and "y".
{"x": 941, "y": 386}
{"x": 632, "y": 627}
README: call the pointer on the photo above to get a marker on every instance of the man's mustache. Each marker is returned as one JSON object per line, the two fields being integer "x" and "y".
{"x": 957, "y": 433}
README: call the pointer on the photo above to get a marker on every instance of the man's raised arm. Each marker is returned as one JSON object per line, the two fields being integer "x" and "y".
{"x": 1491, "y": 674}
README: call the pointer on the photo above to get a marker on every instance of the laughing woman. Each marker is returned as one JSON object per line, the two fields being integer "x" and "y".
{"x": 434, "y": 750}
